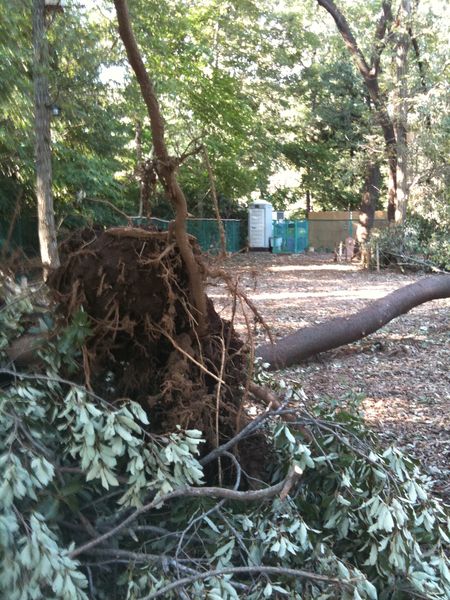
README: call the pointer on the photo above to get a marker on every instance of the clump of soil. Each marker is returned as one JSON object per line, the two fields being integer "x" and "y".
{"x": 133, "y": 286}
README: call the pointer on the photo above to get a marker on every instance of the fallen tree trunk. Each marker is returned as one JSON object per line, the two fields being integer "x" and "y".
{"x": 309, "y": 341}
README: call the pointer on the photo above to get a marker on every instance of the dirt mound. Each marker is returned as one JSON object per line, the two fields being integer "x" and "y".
{"x": 132, "y": 285}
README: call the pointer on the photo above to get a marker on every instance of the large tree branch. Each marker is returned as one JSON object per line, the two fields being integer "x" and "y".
{"x": 166, "y": 166}
{"x": 347, "y": 34}
{"x": 368, "y": 72}
{"x": 145, "y": 83}
{"x": 382, "y": 34}
{"x": 310, "y": 341}
{"x": 384, "y": 20}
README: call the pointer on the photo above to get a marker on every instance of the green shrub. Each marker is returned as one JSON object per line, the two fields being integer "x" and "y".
{"x": 416, "y": 244}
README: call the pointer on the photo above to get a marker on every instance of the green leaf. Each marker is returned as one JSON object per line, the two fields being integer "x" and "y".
{"x": 224, "y": 549}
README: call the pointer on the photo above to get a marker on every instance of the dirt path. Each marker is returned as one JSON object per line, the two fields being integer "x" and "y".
{"x": 402, "y": 371}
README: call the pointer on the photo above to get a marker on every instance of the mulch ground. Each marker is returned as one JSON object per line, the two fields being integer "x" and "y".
{"x": 401, "y": 372}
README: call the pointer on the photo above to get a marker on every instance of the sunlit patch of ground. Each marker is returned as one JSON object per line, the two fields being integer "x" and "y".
{"x": 343, "y": 267}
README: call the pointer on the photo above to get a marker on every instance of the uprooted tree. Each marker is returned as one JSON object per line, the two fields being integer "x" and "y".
{"x": 127, "y": 446}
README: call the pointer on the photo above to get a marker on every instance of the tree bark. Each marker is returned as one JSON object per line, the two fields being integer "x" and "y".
{"x": 310, "y": 341}
{"x": 401, "y": 110}
{"x": 46, "y": 216}
{"x": 139, "y": 163}
{"x": 369, "y": 73}
{"x": 370, "y": 196}
{"x": 212, "y": 184}
{"x": 166, "y": 165}
{"x": 308, "y": 203}
{"x": 146, "y": 175}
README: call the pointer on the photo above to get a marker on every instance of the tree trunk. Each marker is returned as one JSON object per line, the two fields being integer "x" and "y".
{"x": 310, "y": 341}
{"x": 139, "y": 163}
{"x": 46, "y": 215}
{"x": 166, "y": 165}
{"x": 308, "y": 203}
{"x": 145, "y": 174}
{"x": 390, "y": 143}
{"x": 401, "y": 111}
{"x": 421, "y": 67}
{"x": 371, "y": 194}
{"x": 148, "y": 187}
{"x": 212, "y": 184}
{"x": 369, "y": 73}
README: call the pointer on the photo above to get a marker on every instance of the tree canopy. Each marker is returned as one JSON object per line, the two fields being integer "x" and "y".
{"x": 266, "y": 86}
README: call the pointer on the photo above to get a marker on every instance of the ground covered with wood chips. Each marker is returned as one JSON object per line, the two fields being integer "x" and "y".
{"x": 400, "y": 374}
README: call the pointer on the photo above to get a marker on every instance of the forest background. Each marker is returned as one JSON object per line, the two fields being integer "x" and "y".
{"x": 282, "y": 101}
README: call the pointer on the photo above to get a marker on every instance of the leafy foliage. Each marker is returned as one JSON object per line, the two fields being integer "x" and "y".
{"x": 417, "y": 244}
{"x": 87, "y": 137}
{"x": 75, "y": 467}
{"x": 328, "y": 141}
{"x": 254, "y": 81}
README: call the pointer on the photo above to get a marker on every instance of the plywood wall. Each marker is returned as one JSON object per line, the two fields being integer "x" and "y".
{"x": 328, "y": 228}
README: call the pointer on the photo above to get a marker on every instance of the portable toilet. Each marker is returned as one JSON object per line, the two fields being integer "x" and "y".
{"x": 259, "y": 225}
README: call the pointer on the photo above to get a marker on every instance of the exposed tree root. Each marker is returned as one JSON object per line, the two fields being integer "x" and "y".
{"x": 133, "y": 285}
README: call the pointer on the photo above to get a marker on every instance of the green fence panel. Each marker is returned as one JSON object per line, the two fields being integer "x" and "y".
{"x": 207, "y": 232}
{"x": 24, "y": 235}
{"x": 290, "y": 237}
